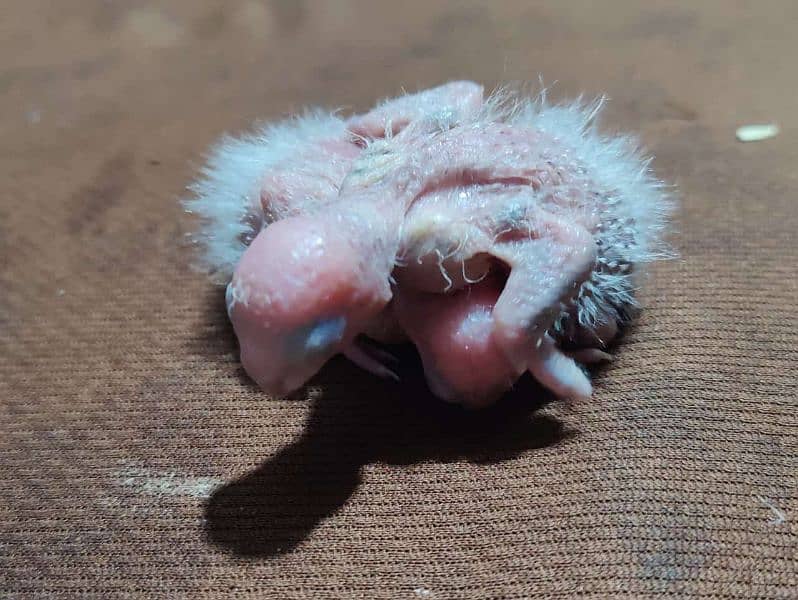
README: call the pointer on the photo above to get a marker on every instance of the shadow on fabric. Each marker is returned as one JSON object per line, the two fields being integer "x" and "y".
{"x": 272, "y": 509}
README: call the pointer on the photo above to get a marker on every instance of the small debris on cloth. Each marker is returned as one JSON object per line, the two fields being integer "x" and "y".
{"x": 757, "y": 133}
{"x": 778, "y": 515}
{"x": 167, "y": 484}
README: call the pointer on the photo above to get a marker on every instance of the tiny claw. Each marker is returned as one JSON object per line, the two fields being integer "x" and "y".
{"x": 377, "y": 352}
{"x": 368, "y": 360}
{"x": 589, "y": 356}
{"x": 558, "y": 372}
{"x": 439, "y": 386}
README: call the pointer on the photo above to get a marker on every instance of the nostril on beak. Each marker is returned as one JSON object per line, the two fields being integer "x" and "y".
{"x": 318, "y": 336}
{"x": 325, "y": 333}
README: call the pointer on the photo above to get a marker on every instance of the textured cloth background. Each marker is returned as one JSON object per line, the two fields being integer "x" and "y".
{"x": 137, "y": 460}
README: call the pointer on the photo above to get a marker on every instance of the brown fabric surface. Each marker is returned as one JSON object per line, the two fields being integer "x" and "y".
{"x": 137, "y": 460}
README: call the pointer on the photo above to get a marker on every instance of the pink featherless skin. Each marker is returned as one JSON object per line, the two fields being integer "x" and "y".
{"x": 500, "y": 235}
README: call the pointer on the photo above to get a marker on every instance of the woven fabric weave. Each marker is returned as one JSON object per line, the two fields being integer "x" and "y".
{"x": 137, "y": 459}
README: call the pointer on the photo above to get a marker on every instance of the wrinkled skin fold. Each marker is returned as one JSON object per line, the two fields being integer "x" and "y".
{"x": 491, "y": 233}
